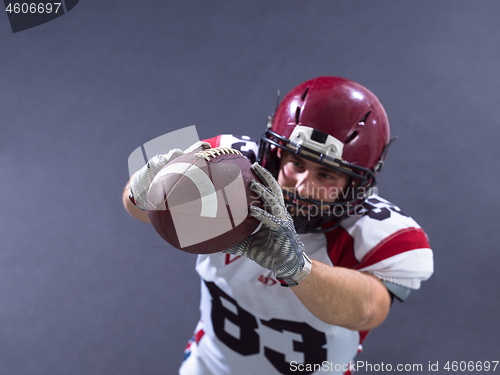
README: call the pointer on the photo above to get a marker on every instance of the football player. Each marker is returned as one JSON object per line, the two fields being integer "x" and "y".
{"x": 301, "y": 293}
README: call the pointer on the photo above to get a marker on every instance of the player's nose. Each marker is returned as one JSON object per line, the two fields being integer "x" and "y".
{"x": 304, "y": 185}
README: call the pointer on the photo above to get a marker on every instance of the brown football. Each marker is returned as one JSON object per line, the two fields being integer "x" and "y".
{"x": 199, "y": 202}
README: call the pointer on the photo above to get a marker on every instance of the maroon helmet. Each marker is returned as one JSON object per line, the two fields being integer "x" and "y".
{"x": 335, "y": 122}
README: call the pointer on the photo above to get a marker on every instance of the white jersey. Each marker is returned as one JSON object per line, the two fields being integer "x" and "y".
{"x": 250, "y": 324}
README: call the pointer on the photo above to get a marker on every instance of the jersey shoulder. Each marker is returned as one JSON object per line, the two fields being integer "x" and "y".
{"x": 377, "y": 219}
{"x": 382, "y": 239}
{"x": 247, "y": 146}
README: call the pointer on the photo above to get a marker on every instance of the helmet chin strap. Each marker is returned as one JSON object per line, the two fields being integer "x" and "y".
{"x": 304, "y": 225}
{"x": 380, "y": 163}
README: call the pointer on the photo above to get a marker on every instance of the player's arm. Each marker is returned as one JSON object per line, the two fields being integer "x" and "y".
{"x": 339, "y": 296}
{"x": 344, "y": 297}
{"x": 131, "y": 208}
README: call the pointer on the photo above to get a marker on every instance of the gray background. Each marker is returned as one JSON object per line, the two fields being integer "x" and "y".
{"x": 85, "y": 289}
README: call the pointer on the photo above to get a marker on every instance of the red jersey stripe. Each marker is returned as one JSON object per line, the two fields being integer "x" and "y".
{"x": 399, "y": 242}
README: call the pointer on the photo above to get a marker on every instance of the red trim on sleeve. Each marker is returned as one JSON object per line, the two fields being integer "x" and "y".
{"x": 214, "y": 142}
{"x": 198, "y": 335}
{"x": 399, "y": 242}
{"x": 340, "y": 247}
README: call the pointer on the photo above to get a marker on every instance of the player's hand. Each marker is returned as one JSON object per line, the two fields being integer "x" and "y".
{"x": 139, "y": 185}
{"x": 276, "y": 246}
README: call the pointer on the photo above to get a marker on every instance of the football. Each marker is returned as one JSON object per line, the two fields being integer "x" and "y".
{"x": 199, "y": 202}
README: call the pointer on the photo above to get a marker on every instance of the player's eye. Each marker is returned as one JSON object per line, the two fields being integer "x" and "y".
{"x": 326, "y": 176}
{"x": 294, "y": 163}
{"x": 331, "y": 176}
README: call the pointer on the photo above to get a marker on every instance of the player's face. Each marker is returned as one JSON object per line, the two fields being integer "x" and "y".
{"x": 310, "y": 180}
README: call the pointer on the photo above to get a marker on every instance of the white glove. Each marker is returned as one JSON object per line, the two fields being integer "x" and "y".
{"x": 276, "y": 246}
{"x": 139, "y": 185}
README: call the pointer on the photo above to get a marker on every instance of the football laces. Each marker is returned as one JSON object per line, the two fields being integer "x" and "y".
{"x": 214, "y": 152}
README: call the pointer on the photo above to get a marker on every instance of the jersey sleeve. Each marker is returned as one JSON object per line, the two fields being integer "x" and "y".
{"x": 389, "y": 244}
